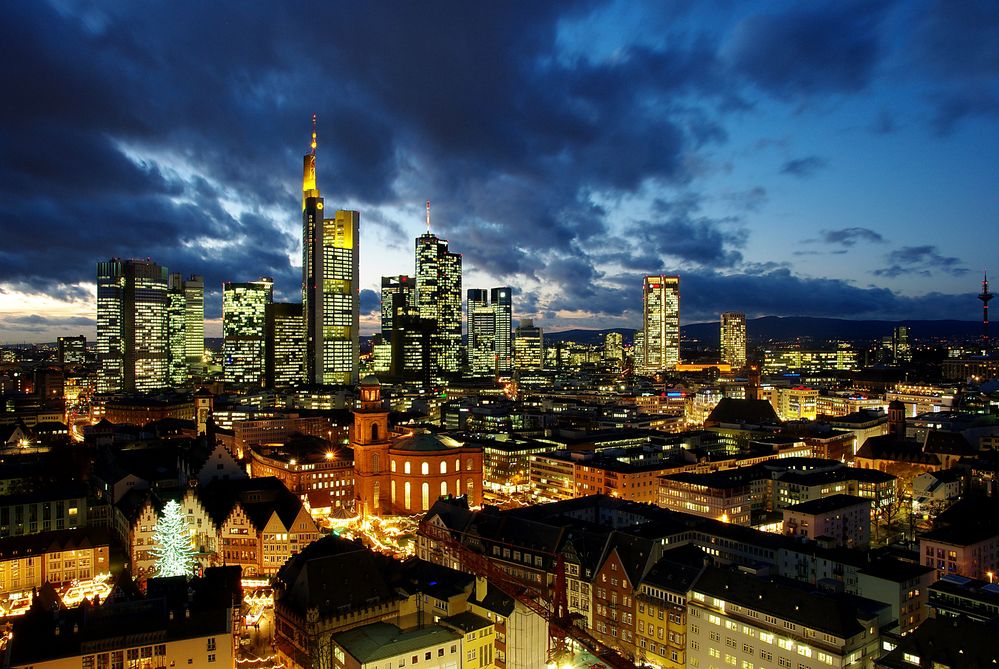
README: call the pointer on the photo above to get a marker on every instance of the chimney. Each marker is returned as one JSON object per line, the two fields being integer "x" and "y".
{"x": 481, "y": 586}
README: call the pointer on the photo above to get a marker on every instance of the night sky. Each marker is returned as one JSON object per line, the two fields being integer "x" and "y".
{"x": 833, "y": 159}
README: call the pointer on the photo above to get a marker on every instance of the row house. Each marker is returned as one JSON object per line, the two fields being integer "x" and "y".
{"x": 55, "y": 557}
{"x": 254, "y": 523}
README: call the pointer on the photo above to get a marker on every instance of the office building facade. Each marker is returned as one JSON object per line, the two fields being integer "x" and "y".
{"x": 481, "y": 334}
{"x": 398, "y": 295}
{"x": 194, "y": 296}
{"x": 529, "y": 346}
{"x": 285, "y": 345}
{"x": 733, "y": 339}
{"x": 131, "y": 326}
{"x": 661, "y": 323}
{"x": 330, "y": 298}
{"x": 72, "y": 350}
{"x": 244, "y": 331}
{"x": 438, "y": 298}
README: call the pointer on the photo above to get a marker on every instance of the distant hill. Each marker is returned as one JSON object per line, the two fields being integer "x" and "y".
{"x": 796, "y": 327}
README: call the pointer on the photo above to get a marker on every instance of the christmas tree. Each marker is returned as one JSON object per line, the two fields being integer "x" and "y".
{"x": 173, "y": 552}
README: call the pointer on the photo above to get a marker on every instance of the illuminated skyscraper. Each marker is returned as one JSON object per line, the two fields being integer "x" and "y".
{"x": 529, "y": 346}
{"x": 613, "y": 347}
{"x": 398, "y": 293}
{"x": 285, "y": 347}
{"x": 411, "y": 347}
{"x": 901, "y": 350}
{"x": 244, "y": 331}
{"x": 438, "y": 298}
{"x": 489, "y": 316}
{"x": 177, "y": 370}
{"x": 131, "y": 326}
{"x": 733, "y": 339}
{"x": 481, "y": 333}
{"x": 501, "y": 302}
{"x": 661, "y": 323}
{"x": 194, "y": 294}
{"x": 330, "y": 298}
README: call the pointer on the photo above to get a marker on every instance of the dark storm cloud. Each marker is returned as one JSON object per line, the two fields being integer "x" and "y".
{"x": 807, "y": 50}
{"x": 371, "y": 302}
{"x": 958, "y": 44}
{"x": 778, "y": 292}
{"x": 923, "y": 260}
{"x": 803, "y": 167}
{"x": 116, "y": 107}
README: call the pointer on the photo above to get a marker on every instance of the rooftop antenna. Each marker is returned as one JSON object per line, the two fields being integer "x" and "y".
{"x": 985, "y": 296}
{"x": 313, "y": 145}
{"x": 428, "y": 215}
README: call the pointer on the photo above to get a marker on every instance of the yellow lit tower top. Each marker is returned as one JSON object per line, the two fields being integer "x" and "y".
{"x": 309, "y": 188}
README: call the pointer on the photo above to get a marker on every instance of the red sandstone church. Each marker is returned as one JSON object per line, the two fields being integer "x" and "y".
{"x": 403, "y": 473}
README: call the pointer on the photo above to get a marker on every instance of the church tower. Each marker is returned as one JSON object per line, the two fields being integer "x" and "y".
{"x": 370, "y": 440}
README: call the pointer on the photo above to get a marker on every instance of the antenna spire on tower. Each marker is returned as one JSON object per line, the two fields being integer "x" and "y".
{"x": 313, "y": 145}
{"x": 428, "y": 215}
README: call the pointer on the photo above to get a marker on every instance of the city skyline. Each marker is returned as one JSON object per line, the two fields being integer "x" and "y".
{"x": 685, "y": 144}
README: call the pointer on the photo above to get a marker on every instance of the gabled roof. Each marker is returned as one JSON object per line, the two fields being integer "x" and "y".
{"x": 338, "y": 576}
{"x": 890, "y": 447}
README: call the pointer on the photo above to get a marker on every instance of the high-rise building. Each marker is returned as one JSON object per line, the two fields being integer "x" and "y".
{"x": 528, "y": 346}
{"x": 398, "y": 294}
{"x": 411, "y": 347}
{"x": 501, "y": 302}
{"x": 177, "y": 370}
{"x": 285, "y": 345}
{"x": 900, "y": 348}
{"x": 481, "y": 333}
{"x": 73, "y": 350}
{"x": 438, "y": 298}
{"x": 613, "y": 347}
{"x": 733, "y": 339}
{"x": 661, "y": 324}
{"x": 489, "y": 315}
{"x": 194, "y": 294}
{"x": 330, "y": 298}
{"x": 244, "y": 331}
{"x": 131, "y": 325}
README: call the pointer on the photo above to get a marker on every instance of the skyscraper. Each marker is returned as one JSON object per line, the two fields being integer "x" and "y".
{"x": 244, "y": 331}
{"x": 194, "y": 294}
{"x": 398, "y": 294}
{"x": 529, "y": 346}
{"x": 285, "y": 346}
{"x": 131, "y": 325}
{"x": 481, "y": 333}
{"x": 661, "y": 324}
{"x": 613, "y": 348}
{"x": 733, "y": 339}
{"x": 330, "y": 299}
{"x": 501, "y": 302}
{"x": 438, "y": 298}
{"x": 901, "y": 350}
{"x": 177, "y": 370}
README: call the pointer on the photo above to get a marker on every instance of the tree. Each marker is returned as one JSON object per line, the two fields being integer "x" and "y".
{"x": 173, "y": 551}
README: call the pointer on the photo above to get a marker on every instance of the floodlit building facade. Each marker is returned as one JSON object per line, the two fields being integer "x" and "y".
{"x": 733, "y": 339}
{"x": 661, "y": 323}
{"x": 330, "y": 277}
{"x": 244, "y": 331}
{"x": 529, "y": 346}
{"x": 285, "y": 354}
{"x": 438, "y": 298}
{"x": 131, "y": 326}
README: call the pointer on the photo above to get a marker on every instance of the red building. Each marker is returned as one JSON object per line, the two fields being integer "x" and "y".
{"x": 403, "y": 473}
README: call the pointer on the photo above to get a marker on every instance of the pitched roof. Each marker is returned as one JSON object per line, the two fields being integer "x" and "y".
{"x": 732, "y": 410}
